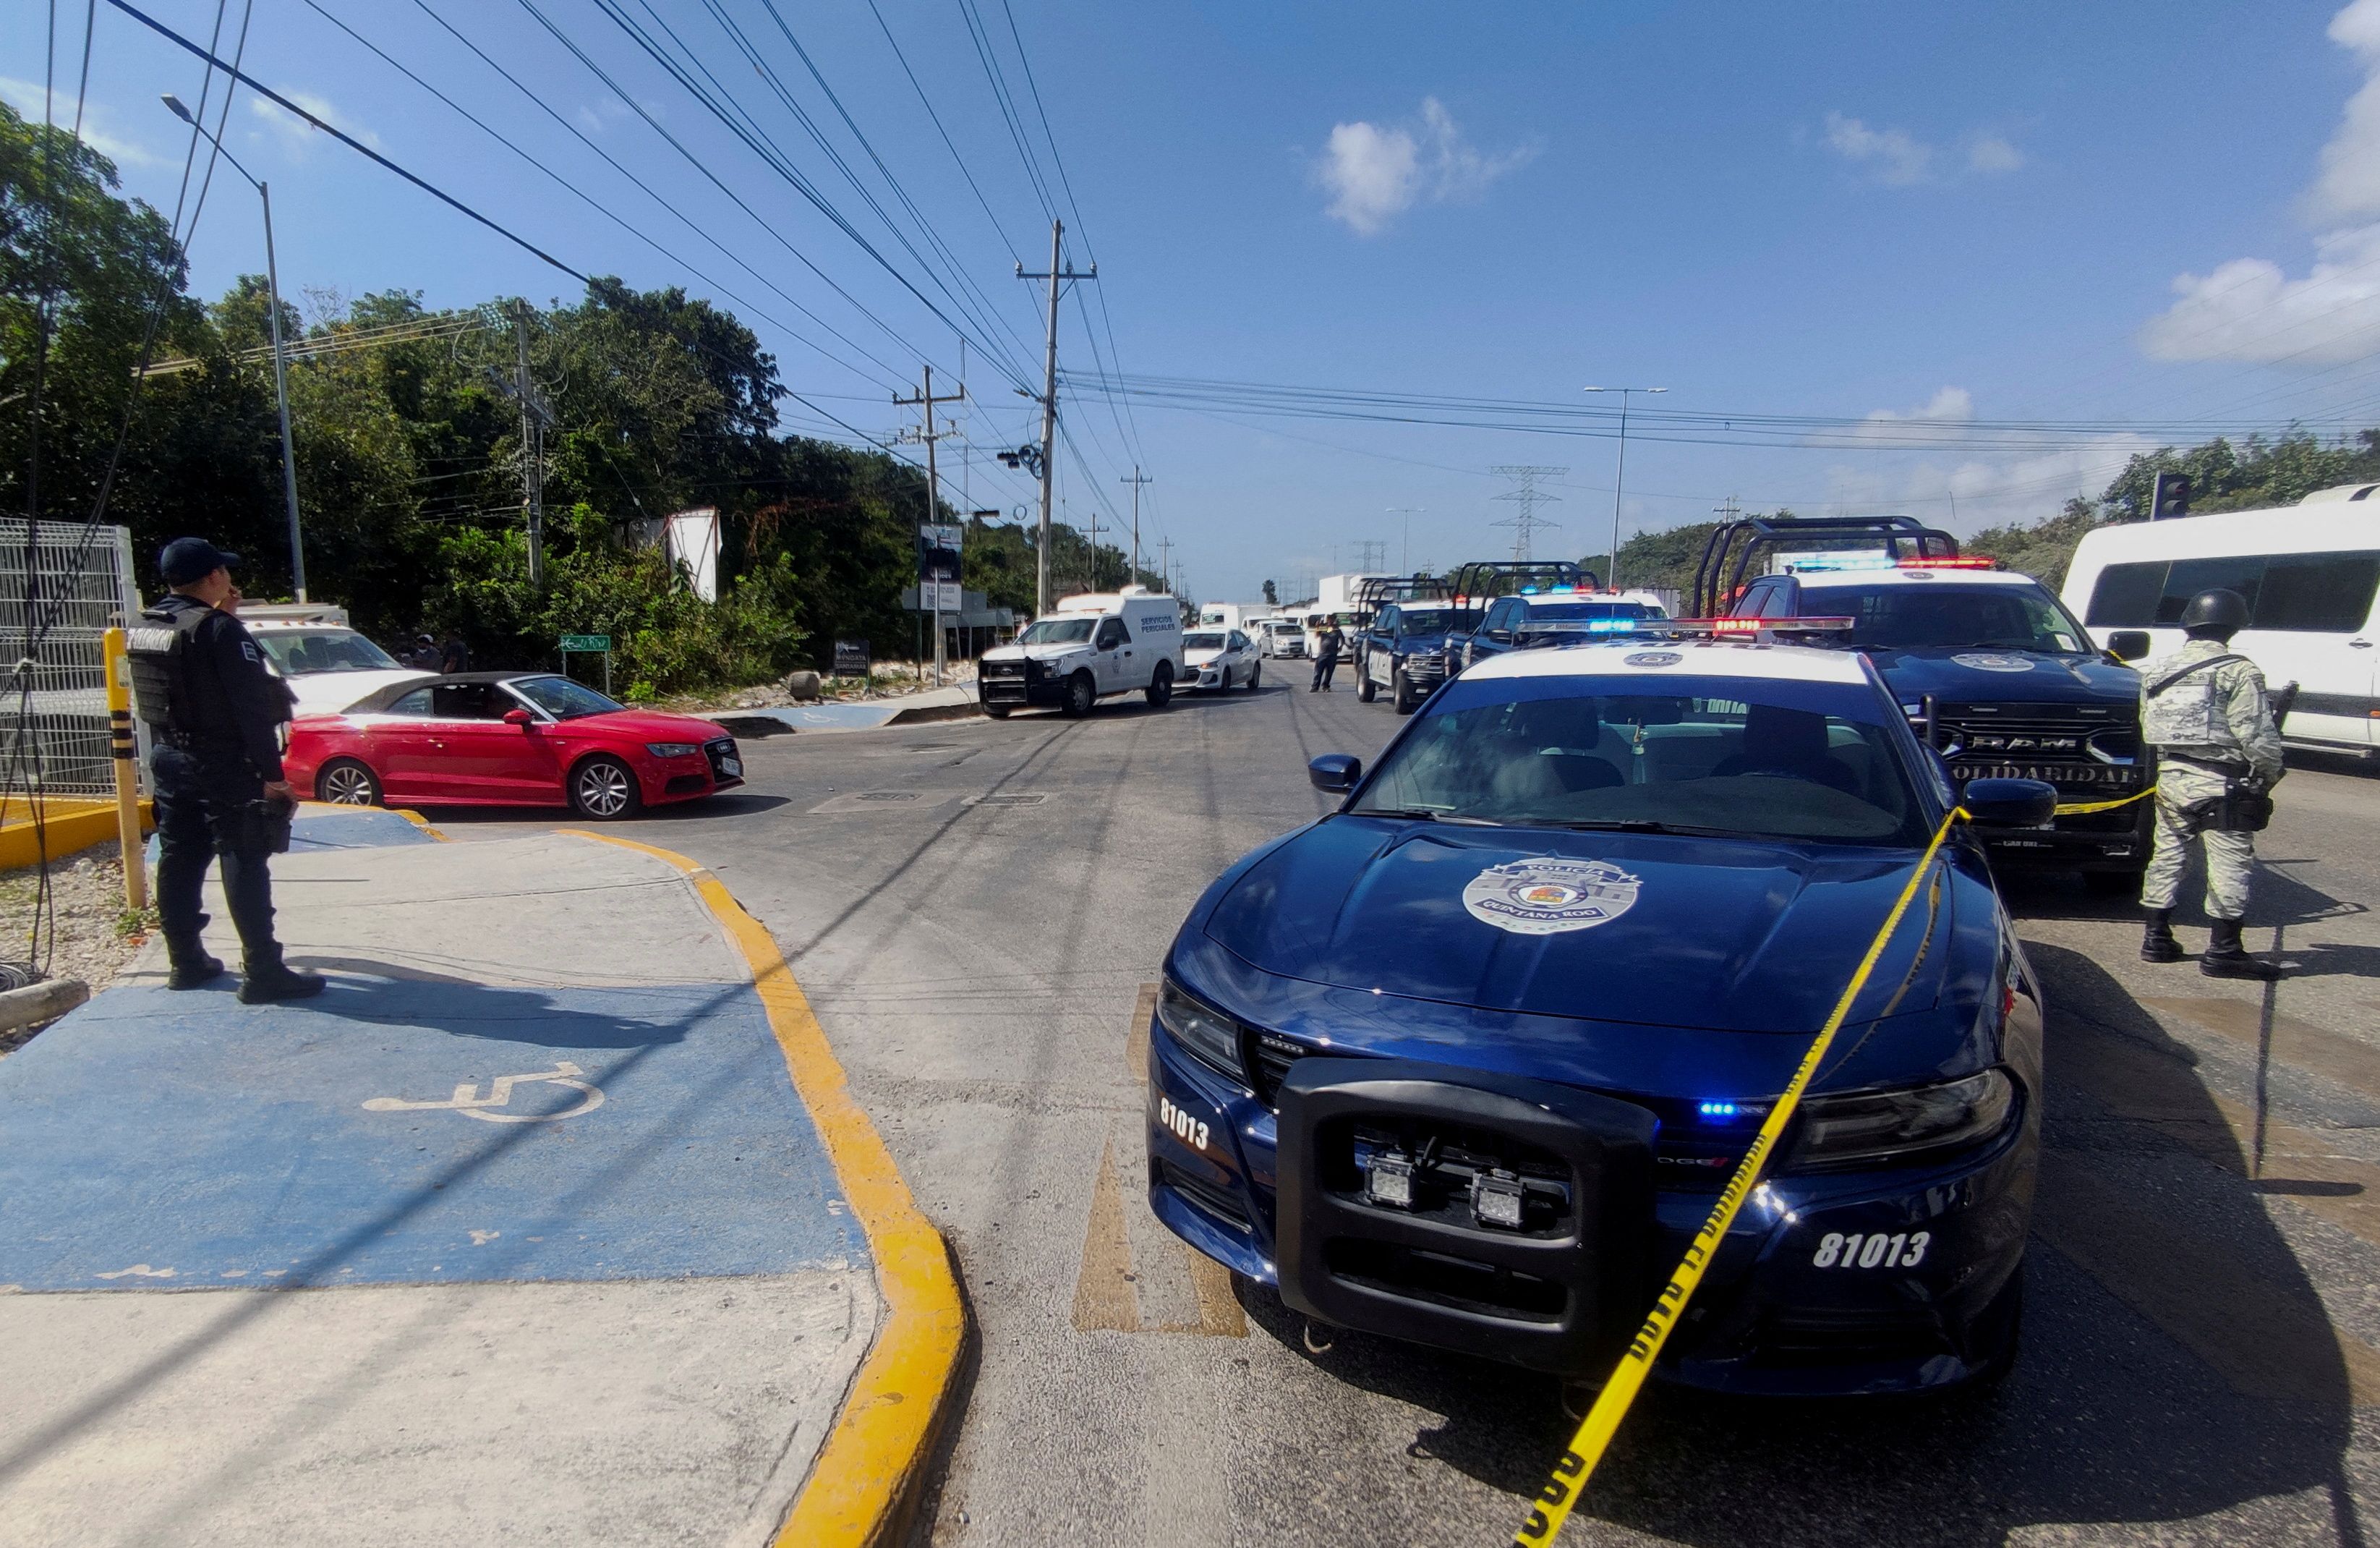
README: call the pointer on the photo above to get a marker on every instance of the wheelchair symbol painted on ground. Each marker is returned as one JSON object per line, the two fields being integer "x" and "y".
{"x": 468, "y": 1101}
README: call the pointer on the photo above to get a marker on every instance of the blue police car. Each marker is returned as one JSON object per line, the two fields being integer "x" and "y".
{"x": 1466, "y": 1061}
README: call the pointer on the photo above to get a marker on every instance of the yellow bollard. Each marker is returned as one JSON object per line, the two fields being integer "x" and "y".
{"x": 128, "y": 776}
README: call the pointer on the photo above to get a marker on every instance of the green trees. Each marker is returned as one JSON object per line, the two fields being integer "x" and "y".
{"x": 409, "y": 451}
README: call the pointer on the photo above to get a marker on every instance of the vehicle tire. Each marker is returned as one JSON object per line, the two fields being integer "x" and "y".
{"x": 1402, "y": 693}
{"x": 1365, "y": 692}
{"x": 997, "y": 712}
{"x": 1160, "y": 685}
{"x": 1080, "y": 696}
{"x": 2111, "y": 883}
{"x": 604, "y": 790}
{"x": 1255, "y": 675}
{"x": 345, "y": 782}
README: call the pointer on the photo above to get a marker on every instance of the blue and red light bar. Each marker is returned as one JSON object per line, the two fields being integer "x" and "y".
{"x": 1960, "y": 561}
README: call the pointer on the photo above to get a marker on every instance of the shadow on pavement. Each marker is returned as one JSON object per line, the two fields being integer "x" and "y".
{"x": 2178, "y": 1361}
{"x": 2278, "y": 898}
{"x": 427, "y": 1001}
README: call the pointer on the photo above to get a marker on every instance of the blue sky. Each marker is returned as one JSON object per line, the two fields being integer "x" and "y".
{"x": 2153, "y": 214}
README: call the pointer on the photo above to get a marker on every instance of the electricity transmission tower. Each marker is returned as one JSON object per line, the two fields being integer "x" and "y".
{"x": 1371, "y": 555}
{"x": 1525, "y": 494}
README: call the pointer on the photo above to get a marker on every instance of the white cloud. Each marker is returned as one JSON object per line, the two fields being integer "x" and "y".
{"x": 1989, "y": 153}
{"x": 1957, "y": 474}
{"x": 1895, "y": 156}
{"x": 297, "y": 136}
{"x": 1375, "y": 173}
{"x": 2250, "y": 309}
{"x": 25, "y": 96}
{"x": 1898, "y": 159}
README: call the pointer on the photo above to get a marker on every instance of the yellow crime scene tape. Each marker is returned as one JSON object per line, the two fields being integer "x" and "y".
{"x": 2078, "y": 809}
{"x": 1602, "y": 1421}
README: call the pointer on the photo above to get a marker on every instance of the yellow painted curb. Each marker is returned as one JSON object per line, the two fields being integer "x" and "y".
{"x": 419, "y": 820}
{"x": 67, "y": 826}
{"x": 866, "y": 1473}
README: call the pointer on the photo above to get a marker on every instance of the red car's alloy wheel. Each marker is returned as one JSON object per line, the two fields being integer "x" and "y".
{"x": 604, "y": 789}
{"x": 347, "y": 783}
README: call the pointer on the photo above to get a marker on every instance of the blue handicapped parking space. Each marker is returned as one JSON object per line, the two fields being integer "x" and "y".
{"x": 399, "y": 1132}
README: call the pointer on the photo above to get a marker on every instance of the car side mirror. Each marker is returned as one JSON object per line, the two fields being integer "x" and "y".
{"x": 1502, "y": 636}
{"x": 2010, "y": 803}
{"x": 1335, "y": 773}
{"x": 520, "y": 718}
{"x": 2129, "y": 644}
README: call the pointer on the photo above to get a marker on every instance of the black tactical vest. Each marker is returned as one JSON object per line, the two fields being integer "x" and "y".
{"x": 157, "y": 651}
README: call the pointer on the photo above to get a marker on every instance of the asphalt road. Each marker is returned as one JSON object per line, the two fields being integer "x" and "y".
{"x": 976, "y": 907}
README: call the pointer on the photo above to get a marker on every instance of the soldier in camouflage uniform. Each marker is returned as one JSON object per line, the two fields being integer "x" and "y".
{"x": 2205, "y": 710}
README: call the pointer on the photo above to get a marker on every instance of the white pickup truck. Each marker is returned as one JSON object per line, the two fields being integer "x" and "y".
{"x": 1089, "y": 647}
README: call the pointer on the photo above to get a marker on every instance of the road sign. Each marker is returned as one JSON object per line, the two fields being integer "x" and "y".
{"x": 586, "y": 643}
{"x": 851, "y": 658}
{"x": 940, "y": 596}
{"x": 938, "y": 555}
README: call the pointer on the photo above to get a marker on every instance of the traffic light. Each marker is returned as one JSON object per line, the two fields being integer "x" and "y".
{"x": 2169, "y": 496}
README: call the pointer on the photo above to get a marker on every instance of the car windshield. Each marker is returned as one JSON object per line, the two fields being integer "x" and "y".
{"x": 1762, "y": 758}
{"x": 563, "y": 698}
{"x": 1573, "y": 611}
{"x": 1431, "y": 620}
{"x": 295, "y": 651}
{"x": 1056, "y": 631}
{"x": 1918, "y": 615}
{"x": 1202, "y": 642}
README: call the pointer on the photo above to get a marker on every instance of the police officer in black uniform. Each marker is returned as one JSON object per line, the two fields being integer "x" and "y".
{"x": 215, "y": 714}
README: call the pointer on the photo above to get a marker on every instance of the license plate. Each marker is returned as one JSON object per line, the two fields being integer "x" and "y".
{"x": 731, "y": 766}
{"x": 2055, "y": 773}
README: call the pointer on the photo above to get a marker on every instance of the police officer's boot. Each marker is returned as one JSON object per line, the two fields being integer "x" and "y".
{"x": 2157, "y": 944}
{"x": 264, "y": 978}
{"x": 2227, "y": 958}
{"x": 191, "y": 967}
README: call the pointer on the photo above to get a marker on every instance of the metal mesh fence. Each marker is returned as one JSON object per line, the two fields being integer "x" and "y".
{"x": 82, "y": 590}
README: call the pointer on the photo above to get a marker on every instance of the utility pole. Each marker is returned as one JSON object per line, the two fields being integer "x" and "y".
{"x": 1619, "y": 478}
{"x": 1165, "y": 565}
{"x": 1057, "y": 274}
{"x": 535, "y": 417}
{"x": 1408, "y": 512}
{"x": 1528, "y": 496}
{"x": 1137, "y": 479}
{"x": 280, "y": 357}
{"x": 926, "y": 400}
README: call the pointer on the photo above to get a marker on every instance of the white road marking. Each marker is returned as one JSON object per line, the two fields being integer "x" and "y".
{"x": 468, "y": 1101}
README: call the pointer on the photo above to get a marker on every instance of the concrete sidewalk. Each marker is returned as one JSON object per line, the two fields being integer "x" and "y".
{"x": 520, "y": 1233}
{"x": 953, "y": 703}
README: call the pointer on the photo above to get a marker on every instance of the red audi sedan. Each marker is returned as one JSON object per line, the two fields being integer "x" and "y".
{"x": 507, "y": 738}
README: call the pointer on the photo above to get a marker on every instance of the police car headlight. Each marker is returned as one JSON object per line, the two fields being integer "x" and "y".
{"x": 672, "y": 750}
{"x": 1207, "y": 1033}
{"x": 1869, "y": 1126}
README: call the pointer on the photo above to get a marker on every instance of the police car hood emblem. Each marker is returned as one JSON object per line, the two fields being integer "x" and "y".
{"x": 1991, "y": 661}
{"x": 1549, "y": 896}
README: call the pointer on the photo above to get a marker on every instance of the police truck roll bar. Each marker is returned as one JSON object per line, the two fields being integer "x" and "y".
{"x": 1726, "y": 558}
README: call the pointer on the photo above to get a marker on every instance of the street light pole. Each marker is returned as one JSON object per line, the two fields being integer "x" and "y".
{"x": 280, "y": 366}
{"x": 1611, "y": 575}
{"x": 1408, "y": 512}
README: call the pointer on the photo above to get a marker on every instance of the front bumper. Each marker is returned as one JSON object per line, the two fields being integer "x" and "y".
{"x": 1779, "y": 1311}
{"x": 1032, "y": 687}
{"x": 717, "y": 766}
{"x": 2117, "y": 840}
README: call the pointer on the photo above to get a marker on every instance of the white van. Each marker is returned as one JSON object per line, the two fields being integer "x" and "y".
{"x": 1089, "y": 646}
{"x": 326, "y": 664}
{"x": 2309, "y": 572}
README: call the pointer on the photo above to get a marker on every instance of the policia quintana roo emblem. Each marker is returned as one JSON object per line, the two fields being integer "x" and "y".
{"x": 1548, "y": 896}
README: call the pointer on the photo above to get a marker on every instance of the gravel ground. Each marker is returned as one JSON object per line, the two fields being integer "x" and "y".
{"x": 87, "y": 901}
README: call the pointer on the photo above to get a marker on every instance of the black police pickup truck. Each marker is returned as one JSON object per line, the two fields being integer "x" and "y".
{"x": 1992, "y": 670}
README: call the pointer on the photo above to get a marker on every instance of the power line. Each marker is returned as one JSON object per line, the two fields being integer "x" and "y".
{"x": 600, "y": 206}
{"x": 344, "y": 138}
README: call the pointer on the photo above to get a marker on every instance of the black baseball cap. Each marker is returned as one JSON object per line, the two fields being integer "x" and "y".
{"x": 185, "y": 560}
